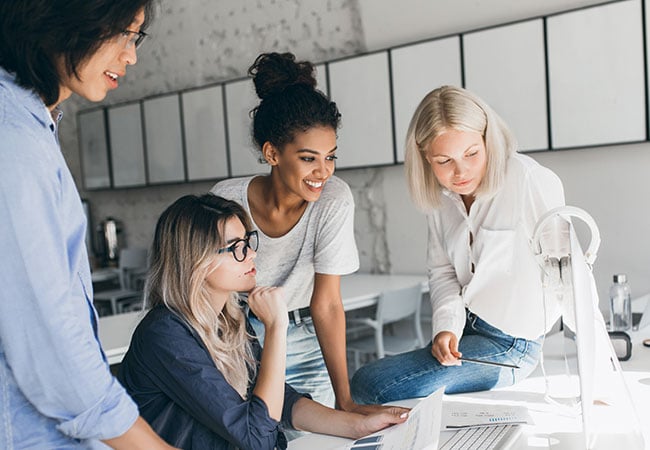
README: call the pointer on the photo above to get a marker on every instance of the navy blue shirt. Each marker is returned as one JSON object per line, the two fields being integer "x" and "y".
{"x": 169, "y": 373}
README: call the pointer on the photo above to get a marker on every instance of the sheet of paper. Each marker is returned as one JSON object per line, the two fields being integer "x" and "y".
{"x": 420, "y": 431}
{"x": 457, "y": 415}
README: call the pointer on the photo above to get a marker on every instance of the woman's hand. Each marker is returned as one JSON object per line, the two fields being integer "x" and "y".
{"x": 268, "y": 304}
{"x": 445, "y": 349}
{"x": 390, "y": 415}
{"x": 364, "y": 409}
{"x": 308, "y": 415}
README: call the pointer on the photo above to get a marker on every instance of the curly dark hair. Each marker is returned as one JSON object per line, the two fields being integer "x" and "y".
{"x": 290, "y": 102}
{"x": 34, "y": 34}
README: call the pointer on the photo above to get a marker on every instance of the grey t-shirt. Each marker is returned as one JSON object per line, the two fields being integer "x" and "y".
{"x": 321, "y": 242}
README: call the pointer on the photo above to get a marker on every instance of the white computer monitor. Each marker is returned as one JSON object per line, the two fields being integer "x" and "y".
{"x": 606, "y": 410}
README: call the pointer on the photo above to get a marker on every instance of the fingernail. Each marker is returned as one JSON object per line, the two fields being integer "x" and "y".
{"x": 403, "y": 415}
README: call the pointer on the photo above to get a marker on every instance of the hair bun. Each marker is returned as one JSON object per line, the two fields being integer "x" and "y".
{"x": 274, "y": 72}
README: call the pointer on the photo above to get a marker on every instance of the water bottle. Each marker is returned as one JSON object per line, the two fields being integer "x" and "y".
{"x": 620, "y": 304}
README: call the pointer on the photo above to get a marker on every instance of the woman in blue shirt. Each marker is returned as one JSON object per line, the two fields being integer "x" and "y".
{"x": 194, "y": 367}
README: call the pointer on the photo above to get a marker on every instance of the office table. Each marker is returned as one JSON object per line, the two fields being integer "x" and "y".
{"x": 550, "y": 431}
{"x": 358, "y": 290}
{"x": 115, "y": 333}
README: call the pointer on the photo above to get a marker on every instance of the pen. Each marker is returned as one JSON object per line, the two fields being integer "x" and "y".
{"x": 489, "y": 363}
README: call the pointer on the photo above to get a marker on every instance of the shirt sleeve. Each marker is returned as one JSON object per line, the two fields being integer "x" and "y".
{"x": 335, "y": 249}
{"x": 447, "y": 304}
{"x": 45, "y": 310}
{"x": 182, "y": 368}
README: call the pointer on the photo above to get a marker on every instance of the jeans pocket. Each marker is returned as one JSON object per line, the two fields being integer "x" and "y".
{"x": 491, "y": 332}
{"x": 308, "y": 326}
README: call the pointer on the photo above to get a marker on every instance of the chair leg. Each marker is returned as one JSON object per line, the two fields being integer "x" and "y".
{"x": 379, "y": 340}
{"x": 418, "y": 331}
{"x": 357, "y": 360}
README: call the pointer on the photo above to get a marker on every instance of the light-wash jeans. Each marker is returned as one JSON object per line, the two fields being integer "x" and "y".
{"x": 418, "y": 373}
{"x": 306, "y": 370}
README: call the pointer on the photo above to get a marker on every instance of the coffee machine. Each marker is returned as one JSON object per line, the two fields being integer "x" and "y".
{"x": 109, "y": 241}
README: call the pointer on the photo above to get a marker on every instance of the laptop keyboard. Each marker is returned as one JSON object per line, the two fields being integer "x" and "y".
{"x": 483, "y": 438}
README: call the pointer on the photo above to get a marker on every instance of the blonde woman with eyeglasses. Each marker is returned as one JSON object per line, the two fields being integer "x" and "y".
{"x": 194, "y": 366}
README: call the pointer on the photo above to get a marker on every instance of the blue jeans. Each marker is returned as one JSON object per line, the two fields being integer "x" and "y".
{"x": 418, "y": 373}
{"x": 306, "y": 370}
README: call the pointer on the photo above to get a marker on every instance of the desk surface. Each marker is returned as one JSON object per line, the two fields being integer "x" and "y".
{"x": 115, "y": 334}
{"x": 357, "y": 291}
{"x": 362, "y": 289}
{"x": 550, "y": 429}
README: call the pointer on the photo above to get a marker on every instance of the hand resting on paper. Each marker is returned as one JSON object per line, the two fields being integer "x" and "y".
{"x": 308, "y": 415}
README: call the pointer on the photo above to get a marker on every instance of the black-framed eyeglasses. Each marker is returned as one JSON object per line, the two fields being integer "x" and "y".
{"x": 135, "y": 38}
{"x": 240, "y": 247}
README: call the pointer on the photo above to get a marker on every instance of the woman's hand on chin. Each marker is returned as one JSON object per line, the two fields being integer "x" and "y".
{"x": 269, "y": 305}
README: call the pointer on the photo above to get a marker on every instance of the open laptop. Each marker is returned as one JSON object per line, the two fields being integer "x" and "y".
{"x": 494, "y": 437}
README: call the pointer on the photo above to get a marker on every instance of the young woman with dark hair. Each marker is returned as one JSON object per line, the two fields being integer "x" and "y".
{"x": 305, "y": 218}
{"x": 57, "y": 390}
{"x": 193, "y": 367}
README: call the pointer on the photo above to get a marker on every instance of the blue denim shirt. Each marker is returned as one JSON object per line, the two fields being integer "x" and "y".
{"x": 187, "y": 400}
{"x": 56, "y": 390}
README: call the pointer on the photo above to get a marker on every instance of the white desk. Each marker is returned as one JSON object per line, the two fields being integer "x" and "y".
{"x": 550, "y": 431}
{"x": 357, "y": 291}
{"x": 105, "y": 274}
{"x": 115, "y": 334}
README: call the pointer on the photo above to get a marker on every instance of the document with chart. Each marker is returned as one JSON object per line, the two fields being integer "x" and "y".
{"x": 420, "y": 431}
{"x": 458, "y": 414}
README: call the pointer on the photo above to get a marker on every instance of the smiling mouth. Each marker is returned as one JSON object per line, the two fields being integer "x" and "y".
{"x": 111, "y": 75}
{"x": 315, "y": 184}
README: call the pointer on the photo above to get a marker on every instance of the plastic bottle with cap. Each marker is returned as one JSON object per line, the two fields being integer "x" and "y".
{"x": 620, "y": 304}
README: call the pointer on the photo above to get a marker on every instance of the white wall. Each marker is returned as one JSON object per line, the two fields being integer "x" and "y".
{"x": 196, "y": 42}
{"x": 387, "y": 23}
{"x": 611, "y": 183}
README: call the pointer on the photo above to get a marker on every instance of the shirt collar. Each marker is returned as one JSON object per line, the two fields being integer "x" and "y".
{"x": 30, "y": 100}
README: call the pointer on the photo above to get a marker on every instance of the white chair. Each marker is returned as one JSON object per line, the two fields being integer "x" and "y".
{"x": 132, "y": 267}
{"x": 392, "y": 306}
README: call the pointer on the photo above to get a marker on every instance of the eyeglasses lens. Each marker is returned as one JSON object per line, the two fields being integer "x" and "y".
{"x": 241, "y": 248}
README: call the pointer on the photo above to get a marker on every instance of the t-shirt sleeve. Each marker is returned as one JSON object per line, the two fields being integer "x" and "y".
{"x": 231, "y": 189}
{"x": 183, "y": 369}
{"x": 335, "y": 249}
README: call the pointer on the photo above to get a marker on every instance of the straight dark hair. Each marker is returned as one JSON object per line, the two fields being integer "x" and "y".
{"x": 34, "y": 34}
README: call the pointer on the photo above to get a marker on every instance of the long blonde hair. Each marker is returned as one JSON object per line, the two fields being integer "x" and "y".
{"x": 442, "y": 109}
{"x": 187, "y": 234}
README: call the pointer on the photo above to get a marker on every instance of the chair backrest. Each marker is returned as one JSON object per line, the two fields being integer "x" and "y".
{"x": 132, "y": 261}
{"x": 398, "y": 304}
